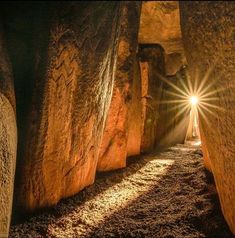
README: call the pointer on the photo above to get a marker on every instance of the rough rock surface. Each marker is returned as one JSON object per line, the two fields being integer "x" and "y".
{"x": 152, "y": 65}
{"x": 208, "y": 36}
{"x": 8, "y": 138}
{"x": 173, "y": 63}
{"x": 113, "y": 150}
{"x": 160, "y": 24}
{"x": 206, "y": 158}
{"x": 174, "y": 116}
{"x": 158, "y": 195}
{"x": 134, "y": 114}
{"x": 72, "y": 87}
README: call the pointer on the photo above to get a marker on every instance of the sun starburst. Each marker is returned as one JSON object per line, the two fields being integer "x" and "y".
{"x": 198, "y": 94}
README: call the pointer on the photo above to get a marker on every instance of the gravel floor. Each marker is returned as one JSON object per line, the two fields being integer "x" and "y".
{"x": 167, "y": 194}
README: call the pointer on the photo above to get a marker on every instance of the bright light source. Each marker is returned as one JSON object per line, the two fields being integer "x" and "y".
{"x": 194, "y": 100}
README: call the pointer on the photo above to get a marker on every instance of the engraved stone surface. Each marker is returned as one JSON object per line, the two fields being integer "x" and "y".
{"x": 72, "y": 83}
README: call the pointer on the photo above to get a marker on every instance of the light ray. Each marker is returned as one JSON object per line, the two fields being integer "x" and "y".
{"x": 213, "y": 92}
{"x": 196, "y": 80}
{"x": 175, "y": 107}
{"x": 212, "y": 105}
{"x": 208, "y": 110}
{"x": 199, "y": 95}
{"x": 210, "y": 85}
{"x": 175, "y": 94}
{"x": 201, "y": 113}
{"x": 184, "y": 86}
{"x": 205, "y": 78}
{"x": 178, "y": 114}
{"x": 172, "y": 101}
{"x": 189, "y": 84}
{"x": 172, "y": 85}
{"x": 209, "y": 99}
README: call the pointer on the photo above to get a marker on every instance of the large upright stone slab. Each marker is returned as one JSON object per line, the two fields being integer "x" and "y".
{"x": 152, "y": 64}
{"x": 208, "y": 37}
{"x": 72, "y": 81}
{"x": 134, "y": 113}
{"x": 8, "y": 138}
{"x": 113, "y": 150}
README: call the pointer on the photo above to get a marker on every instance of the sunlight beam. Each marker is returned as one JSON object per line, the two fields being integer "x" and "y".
{"x": 172, "y": 85}
{"x": 213, "y": 106}
{"x": 201, "y": 113}
{"x": 205, "y": 78}
{"x": 175, "y": 94}
{"x": 172, "y": 101}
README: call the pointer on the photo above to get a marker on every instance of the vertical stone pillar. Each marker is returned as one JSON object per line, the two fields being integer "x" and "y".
{"x": 152, "y": 65}
{"x": 208, "y": 37}
{"x": 74, "y": 63}
{"x": 134, "y": 113}
{"x": 8, "y": 138}
{"x": 113, "y": 150}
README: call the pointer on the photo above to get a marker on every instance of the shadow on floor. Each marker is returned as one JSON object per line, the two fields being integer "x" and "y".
{"x": 106, "y": 179}
{"x": 181, "y": 203}
{"x": 190, "y": 210}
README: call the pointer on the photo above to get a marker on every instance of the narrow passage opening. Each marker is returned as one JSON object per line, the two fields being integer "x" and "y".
{"x": 193, "y": 132}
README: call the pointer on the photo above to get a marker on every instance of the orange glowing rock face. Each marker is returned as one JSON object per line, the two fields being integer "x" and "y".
{"x": 206, "y": 158}
{"x": 205, "y": 26}
{"x": 8, "y": 139}
{"x": 146, "y": 142}
{"x": 160, "y": 24}
{"x": 134, "y": 114}
{"x": 144, "y": 69}
{"x": 113, "y": 150}
{"x": 67, "y": 120}
{"x": 113, "y": 153}
{"x": 151, "y": 64}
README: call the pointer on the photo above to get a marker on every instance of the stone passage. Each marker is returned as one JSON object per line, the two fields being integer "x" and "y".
{"x": 166, "y": 194}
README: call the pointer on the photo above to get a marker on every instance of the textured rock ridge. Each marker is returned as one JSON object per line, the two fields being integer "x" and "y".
{"x": 208, "y": 36}
{"x": 8, "y": 137}
{"x": 160, "y": 24}
{"x": 71, "y": 92}
{"x": 113, "y": 150}
{"x": 134, "y": 113}
{"x": 152, "y": 65}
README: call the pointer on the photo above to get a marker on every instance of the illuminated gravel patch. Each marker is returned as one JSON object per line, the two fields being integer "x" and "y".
{"x": 158, "y": 195}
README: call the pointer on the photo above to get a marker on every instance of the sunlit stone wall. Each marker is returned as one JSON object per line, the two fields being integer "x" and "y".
{"x": 68, "y": 59}
{"x": 8, "y": 138}
{"x": 208, "y": 37}
{"x": 114, "y": 147}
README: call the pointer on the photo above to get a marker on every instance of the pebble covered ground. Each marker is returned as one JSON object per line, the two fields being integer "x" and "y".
{"x": 163, "y": 194}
